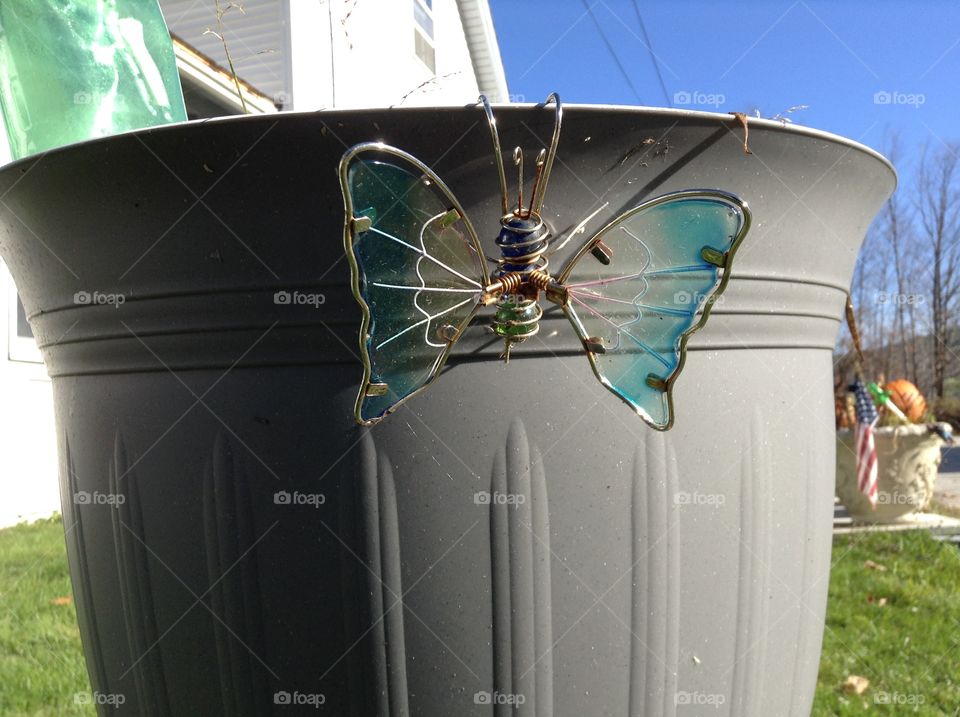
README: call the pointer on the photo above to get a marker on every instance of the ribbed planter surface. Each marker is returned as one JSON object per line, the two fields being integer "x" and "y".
{"x": 244, "y": 549}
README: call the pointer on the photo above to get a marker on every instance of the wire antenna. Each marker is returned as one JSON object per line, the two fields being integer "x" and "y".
{"x": 544, "y": 176}
{"x": 518, "y": 161}
{"x": 544, "y": 161}
{"x": 497, "y": 152}
{"x": 538, "y": 175}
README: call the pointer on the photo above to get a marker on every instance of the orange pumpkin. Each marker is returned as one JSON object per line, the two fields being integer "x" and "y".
{"x": 907, "y": 398}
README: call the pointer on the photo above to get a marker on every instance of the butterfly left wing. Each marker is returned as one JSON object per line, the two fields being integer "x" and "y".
{"x": 417, "y": 272}
{"x": 638, "y": 288}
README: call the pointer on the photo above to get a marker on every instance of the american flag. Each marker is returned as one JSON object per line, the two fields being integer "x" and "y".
{"x": 863, "y": 437}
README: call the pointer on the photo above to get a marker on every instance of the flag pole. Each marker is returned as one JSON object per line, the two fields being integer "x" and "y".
{"x": 854, "y": 334}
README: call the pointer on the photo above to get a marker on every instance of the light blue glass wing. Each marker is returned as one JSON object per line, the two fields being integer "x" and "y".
{"x": 417, "y": 270}
{"x": 646, "y": 281}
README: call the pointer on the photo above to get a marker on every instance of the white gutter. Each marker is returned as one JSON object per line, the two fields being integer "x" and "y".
{"x": 484, "y": 50}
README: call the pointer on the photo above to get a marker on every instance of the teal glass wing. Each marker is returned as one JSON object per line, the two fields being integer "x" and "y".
{"x": 644, "y": 283}
{"x": 418, "y": 273}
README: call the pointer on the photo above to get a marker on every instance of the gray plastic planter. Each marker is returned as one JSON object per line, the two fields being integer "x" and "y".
{"x": 239, "y": 547}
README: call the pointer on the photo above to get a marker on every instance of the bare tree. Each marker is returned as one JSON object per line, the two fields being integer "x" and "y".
{"x": 938, "y": 209}
{"x": 897, "y": 229}
{"x": 869, "y": 280}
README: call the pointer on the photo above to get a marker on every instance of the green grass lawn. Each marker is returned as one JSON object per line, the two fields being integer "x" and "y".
{"x": 41, "y": 665}
{"x": 906, "y": 648}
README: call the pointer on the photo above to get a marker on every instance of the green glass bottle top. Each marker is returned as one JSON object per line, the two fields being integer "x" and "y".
{"x": 72, "y": 70}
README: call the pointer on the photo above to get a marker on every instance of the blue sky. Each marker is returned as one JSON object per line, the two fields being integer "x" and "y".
{"x": 728, "y": 56}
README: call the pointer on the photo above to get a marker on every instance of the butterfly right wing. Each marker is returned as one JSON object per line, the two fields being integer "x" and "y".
{"x": 417, "y": 272}
{"x": 659, "y": 268}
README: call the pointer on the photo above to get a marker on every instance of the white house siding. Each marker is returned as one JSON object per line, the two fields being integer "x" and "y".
{"x": 285, "y": 49}
{"x": 28, "y": 450}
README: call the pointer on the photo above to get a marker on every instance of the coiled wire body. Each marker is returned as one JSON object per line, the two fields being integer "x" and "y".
{"x": 522, "y": 242}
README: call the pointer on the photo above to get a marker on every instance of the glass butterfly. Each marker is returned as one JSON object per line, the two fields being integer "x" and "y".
{"x": 634, "y": 291}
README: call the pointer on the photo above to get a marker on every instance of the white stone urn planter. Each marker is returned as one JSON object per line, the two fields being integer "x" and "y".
{"x": 908, "y": 458}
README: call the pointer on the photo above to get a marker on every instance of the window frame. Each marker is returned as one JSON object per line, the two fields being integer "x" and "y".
{"x": 427, "y": 36}
{"x": 21, "y": 349}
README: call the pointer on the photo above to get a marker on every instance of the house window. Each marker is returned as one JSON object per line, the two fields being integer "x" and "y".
{"x": 23, "y": 326}
{"x": 423, "y": 33}
{"x": 424, "y": 17}
{"x": 20, "y": 343}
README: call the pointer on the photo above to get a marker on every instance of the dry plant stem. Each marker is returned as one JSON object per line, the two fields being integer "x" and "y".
{"x": 742, "y": 118}
{"x": 346, "y": 18}
{"x": 782, "y": 116}
{"x": 221, "y": 11}
{"x": 436, "y": 79}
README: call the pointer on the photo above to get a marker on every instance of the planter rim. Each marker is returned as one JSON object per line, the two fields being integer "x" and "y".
{"x": 572, "y": 108}
{"x": 914, "y": 429}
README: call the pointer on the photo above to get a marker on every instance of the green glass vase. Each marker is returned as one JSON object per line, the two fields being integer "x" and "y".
{"x": 72, "y": 70}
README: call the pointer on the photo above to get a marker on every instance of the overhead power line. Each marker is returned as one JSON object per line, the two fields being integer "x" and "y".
{"x": 653, "y": 55}
{"x": 611, "y": 50}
